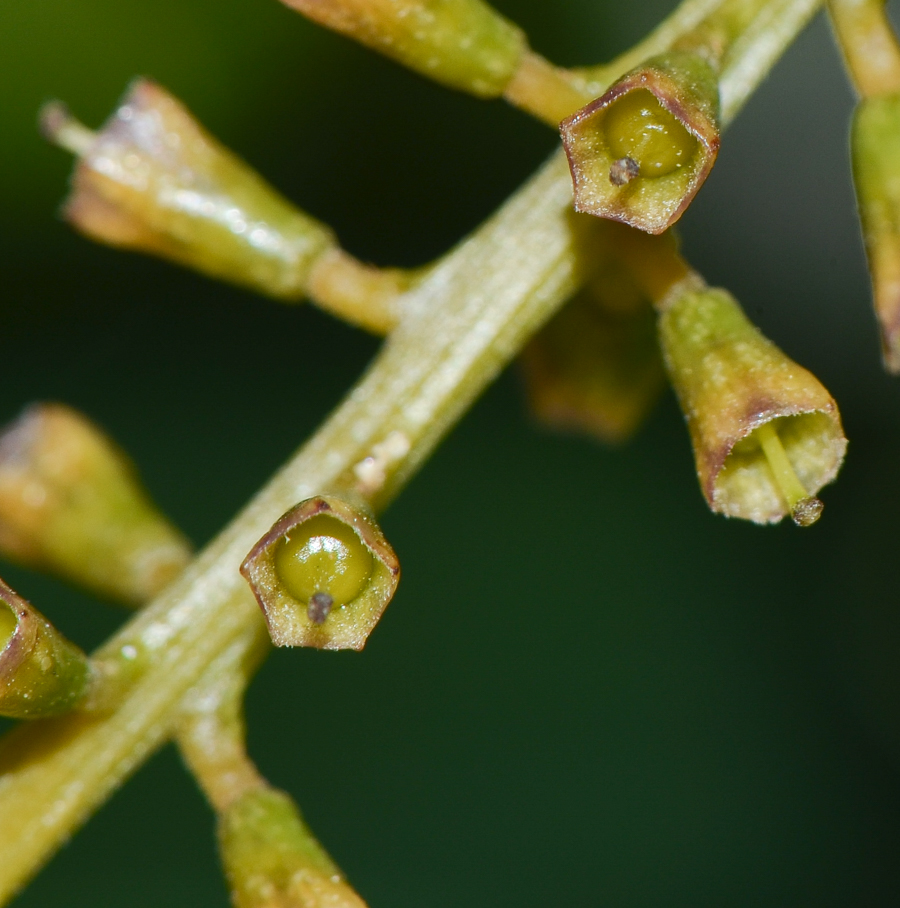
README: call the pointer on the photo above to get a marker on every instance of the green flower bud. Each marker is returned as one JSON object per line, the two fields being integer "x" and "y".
{"x": 465, "y": 44}
{"x": 272, "y": 860}
{"x": 323, "y": 575}
{"x": 71, "y": 503}
{"x": 154, "y": 180}
{"x": 639, "y": 153}
{"x": 766, "y": 434}
{"x": 41, "y": 673}
{"x": 595, "y": 368}
{"x": 875, "y": 148}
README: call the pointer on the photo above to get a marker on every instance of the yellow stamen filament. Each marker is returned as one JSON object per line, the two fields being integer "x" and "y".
{"x": 804, "y": 508}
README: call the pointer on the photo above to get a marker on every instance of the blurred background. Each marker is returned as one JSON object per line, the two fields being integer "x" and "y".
{"x": 726, "y": 728}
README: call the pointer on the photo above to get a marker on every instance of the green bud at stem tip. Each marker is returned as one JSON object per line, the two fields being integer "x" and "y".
{"x": 766, "y": 434}
{"x": 153, "y": 180}
{"x": 640, "y": 152}
{"x": 323, "y": 575}
{"x": 41, "y": 673}
{"x": 464, "y": 44}
{"x": 272, "y": 860}
{"x": 71, "y": 503}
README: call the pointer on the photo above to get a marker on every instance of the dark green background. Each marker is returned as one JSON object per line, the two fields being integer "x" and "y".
{"x": 724, "y": 731}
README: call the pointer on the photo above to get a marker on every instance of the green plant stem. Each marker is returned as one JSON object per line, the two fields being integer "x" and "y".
{"x": 869, "y": 45}
{"x": 756, "y": 51}
{"x": 746, "y": 36}
{"x": 465, "y": 321}
{"x": 210, "y": 730}
{"x": 461, "y": 327}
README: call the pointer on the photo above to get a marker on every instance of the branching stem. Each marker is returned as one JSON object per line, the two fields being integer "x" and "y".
{"x": 461, "y": 325}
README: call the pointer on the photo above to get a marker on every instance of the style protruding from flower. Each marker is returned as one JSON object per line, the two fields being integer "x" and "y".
{"x": 71, "y": 503}
{"x": 464, "y": 44}
{"x": 595, "y": 368}
{"x": 153, "y": 180}
{"x": 766, "y": 434}
{"x": 639, "y": 153}
{"x": 41, "y": 673}
{"x": 323, "y": 575}
{"x": 272, "y": 860}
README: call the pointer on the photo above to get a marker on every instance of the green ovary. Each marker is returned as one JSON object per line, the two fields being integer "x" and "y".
{"x": 323, "y": 555}
{"x": 8, "y": 624}
{"x": 637, "y": 126}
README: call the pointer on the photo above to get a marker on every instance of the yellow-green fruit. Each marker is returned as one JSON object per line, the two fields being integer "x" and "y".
{"x": 323, "y": 555}
{"x": 638, "y": 127}
{"x": 8, "y": 624}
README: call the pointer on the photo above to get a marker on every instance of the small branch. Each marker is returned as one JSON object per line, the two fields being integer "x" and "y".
{"x": 210, "y": 729}
{"x": 360, "y": 294}
{"x": 463, "y": 324}
{"x": 869, "y": 45}
{"x": 545, "y": 91}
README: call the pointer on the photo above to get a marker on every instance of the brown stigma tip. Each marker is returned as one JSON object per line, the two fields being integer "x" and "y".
{"x": 319, "y": 607}
{"x": 53, "y": 117}
{"x": 57, "y": 125}
{"x": 807, "y": 511}
{"x": 623, "y": 171}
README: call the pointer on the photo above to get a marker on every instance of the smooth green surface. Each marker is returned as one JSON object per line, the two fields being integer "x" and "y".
{"x": 323, "y": 555}
{"x": 702, "y": 743}
{"x": 637, "y": 126}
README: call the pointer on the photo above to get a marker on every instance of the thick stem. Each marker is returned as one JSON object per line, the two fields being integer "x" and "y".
{"x": 463, "y": 325}
{"x": 869, "y": 45}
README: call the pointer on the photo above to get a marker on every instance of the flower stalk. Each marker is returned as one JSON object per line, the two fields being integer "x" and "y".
{"x": 462, "y": 324}
{"x": 872, "y": 54}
